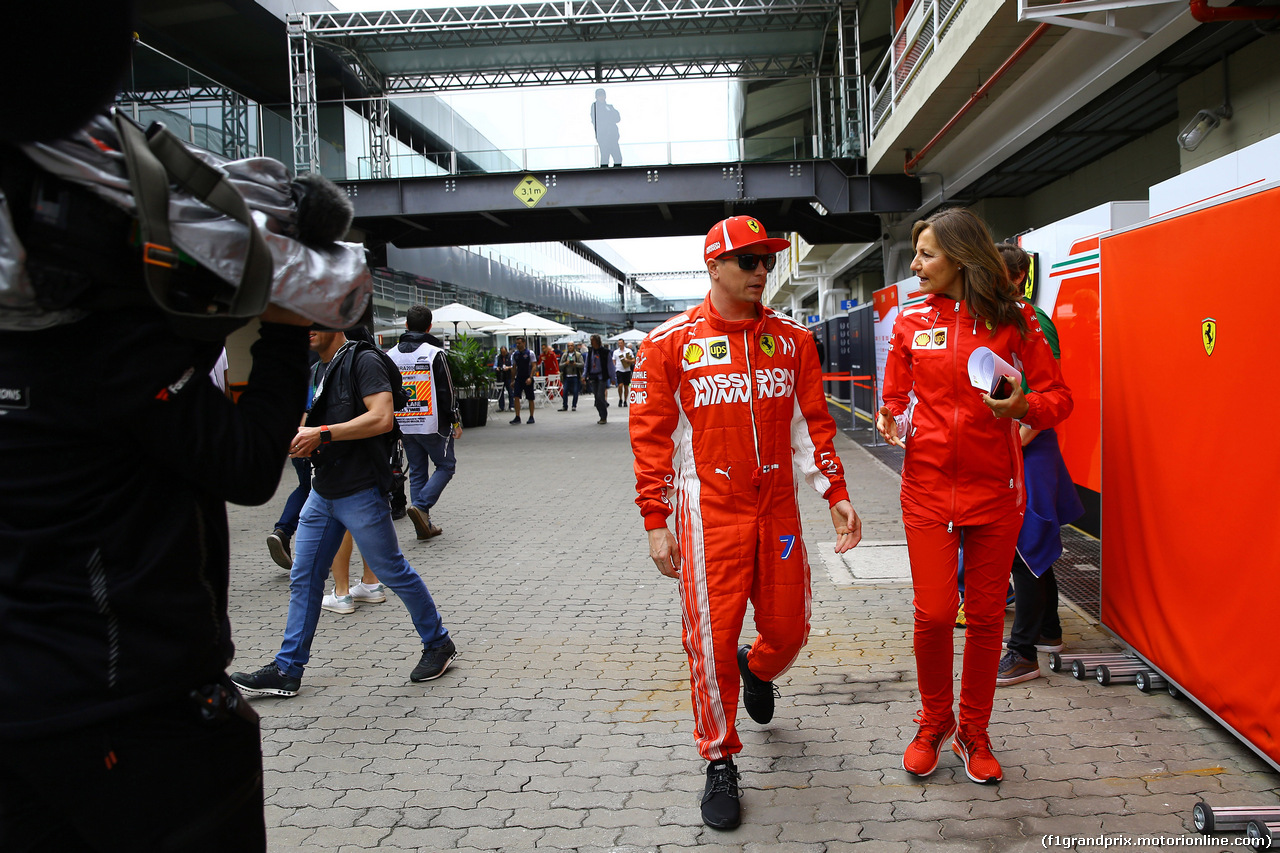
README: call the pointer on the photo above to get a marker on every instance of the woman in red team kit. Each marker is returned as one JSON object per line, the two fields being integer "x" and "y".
{"x": 962, "y": 478}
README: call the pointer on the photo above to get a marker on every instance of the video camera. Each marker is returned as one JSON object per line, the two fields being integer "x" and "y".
{"x": 98, "y": 213}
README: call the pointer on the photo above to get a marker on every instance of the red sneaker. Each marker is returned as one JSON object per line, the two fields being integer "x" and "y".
{"x": 974, "y": 749}
{"x": 921, "y": 757}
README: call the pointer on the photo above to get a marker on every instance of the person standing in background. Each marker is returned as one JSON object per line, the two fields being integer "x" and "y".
{"x": 570, "y": 376}
{"x": 605, "y": 118}
{"x": 622, "y": 362}
{"x": 598, "y": 367}
{"x": 1052, "y": 501}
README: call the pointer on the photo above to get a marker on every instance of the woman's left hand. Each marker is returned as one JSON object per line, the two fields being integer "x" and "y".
{"x": 1014, "y": 406}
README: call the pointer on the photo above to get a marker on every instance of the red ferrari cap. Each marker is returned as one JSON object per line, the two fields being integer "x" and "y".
{"x": 741, "y": 232}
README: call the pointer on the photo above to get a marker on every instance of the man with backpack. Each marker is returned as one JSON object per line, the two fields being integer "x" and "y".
{"x": 358, "y": 389}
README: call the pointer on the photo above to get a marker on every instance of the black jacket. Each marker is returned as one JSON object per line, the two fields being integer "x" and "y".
{"x": 113, "y": 528}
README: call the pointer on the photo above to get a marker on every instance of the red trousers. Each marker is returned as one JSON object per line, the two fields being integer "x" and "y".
{"x": 988, "y": 557}
{"x": 760, "y": 559}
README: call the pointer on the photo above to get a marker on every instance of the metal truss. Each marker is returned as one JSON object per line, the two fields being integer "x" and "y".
{"x": 508, "y": 40}
{"x": 641, "y": 277}
{"x": 302, "y": 96}
{"x": 556, "y": 21}
{"x": 235, "y": 126}
{"x": 169, "y": 97}
{"x": 760, "y": 67}
{"x": 379, "y": 133}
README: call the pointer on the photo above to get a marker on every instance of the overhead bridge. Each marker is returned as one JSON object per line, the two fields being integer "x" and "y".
{"x": 825, "y": 201}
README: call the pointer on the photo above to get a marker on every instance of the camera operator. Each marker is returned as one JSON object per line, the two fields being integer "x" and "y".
{"x": 117, "y": 721}
{"x": 119, "y": 727}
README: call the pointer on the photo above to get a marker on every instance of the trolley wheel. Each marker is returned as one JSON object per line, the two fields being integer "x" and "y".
{"x": 1103, "y": 674}
{"x": 1174, "y": 691}
{"x": 1143, "y": 682}
{"x": 1055, "y": 662}
{"x": 1202, "y": 817}
{"x": 1079, "y": 670}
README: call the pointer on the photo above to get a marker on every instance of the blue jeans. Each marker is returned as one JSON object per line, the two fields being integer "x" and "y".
{"x": 424, "y": 491}
{"x": 293, "y": 505}
{"x": 572, "y": 386}
{"x": 368, "y": 517}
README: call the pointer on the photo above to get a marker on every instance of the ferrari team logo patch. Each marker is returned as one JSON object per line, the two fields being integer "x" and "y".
{"x": 767, "y": 345}
{"x": 754, "y": 226}
{"x": 1208, "y": 334}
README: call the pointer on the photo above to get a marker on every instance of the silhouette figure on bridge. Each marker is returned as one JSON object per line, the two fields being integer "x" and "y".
{"x": 605, "y": 118}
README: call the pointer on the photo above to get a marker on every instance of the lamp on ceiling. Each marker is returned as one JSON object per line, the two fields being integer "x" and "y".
{"x": 1206, "y": 121}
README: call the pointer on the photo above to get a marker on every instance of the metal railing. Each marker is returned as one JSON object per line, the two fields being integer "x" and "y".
{"x": 753, "y": 149}
{"x": 918, "y": 39}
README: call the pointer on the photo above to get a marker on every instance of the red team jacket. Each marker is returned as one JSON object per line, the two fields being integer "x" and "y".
{"x": 963, "y": 464}
{"x": 716, "y": 408}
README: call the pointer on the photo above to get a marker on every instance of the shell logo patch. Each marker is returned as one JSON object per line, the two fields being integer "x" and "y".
{"x": 766, "y": 345}
{"x": 935, "y": 339}
{"x": 754, "y": 226}
{"x": 705, "y": 352}
{"x": 1209, "y": 334}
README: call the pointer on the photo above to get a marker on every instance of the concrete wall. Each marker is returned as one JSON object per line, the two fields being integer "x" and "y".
{"x": 1120, "y": 176}
{"x": 1255, "y": 102}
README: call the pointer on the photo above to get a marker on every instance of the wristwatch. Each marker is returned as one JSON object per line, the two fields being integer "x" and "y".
{"x": 325, "y": 435}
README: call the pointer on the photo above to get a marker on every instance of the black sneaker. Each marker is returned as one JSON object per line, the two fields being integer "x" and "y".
{"x": 757, "y": 694}
{"x": 515, "y": 420}
{"x": 530, "y": 419}
{"x": 434, "y": 662}
{"x": 721, "y": 806}
{"x": 278, "y": 548}
{"x": 268, "y": 681}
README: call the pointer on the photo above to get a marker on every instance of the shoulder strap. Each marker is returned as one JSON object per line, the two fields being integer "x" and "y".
{"x": 152, "y": 160}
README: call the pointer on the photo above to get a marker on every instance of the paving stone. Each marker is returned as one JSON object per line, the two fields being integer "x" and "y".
{"x": 566, "y": 722}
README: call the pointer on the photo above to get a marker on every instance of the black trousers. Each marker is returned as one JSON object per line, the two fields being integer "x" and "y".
{"x": 601, "y": 389}
{"x": 1035, "y": 609}
{"x": 160, "y": 779}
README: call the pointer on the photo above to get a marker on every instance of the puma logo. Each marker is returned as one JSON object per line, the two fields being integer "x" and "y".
{"x": 725, "y": 471}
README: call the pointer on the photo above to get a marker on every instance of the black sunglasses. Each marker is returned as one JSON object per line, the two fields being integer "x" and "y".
{"x": 749, "y": 262}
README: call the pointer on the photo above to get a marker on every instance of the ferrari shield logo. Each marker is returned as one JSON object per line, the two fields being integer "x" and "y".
{"x": 1208, "y": 334}
{"x": 766, "y": 345}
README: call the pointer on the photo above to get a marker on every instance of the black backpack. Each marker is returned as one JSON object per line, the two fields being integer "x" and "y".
{"x": 399, "y": 396}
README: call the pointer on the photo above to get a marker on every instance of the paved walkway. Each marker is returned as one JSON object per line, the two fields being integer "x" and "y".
{"x": 565, "y": 724}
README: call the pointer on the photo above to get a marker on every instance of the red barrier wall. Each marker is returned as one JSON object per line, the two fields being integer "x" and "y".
{"x": 1191, "y": 460}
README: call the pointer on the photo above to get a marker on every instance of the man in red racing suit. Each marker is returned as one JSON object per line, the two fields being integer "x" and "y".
{"x": 724, "y": 399}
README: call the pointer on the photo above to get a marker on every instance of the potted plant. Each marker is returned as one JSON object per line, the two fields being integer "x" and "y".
{"x": 472, "y": 368}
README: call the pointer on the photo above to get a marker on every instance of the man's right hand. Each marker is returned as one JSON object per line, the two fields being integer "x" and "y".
{"x": 664, "y": 551}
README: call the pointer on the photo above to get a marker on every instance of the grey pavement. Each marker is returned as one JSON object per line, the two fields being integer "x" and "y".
{"x": 565, "y": 723}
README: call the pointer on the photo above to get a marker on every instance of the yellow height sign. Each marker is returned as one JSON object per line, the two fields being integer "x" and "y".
{"x": 530, "y": 190}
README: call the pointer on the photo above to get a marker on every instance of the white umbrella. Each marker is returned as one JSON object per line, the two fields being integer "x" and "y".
{"x": 528, "y": 322}
{"x": 631, "y": 336}
{"x": 573, "y": 338}
{"x": 463, "y": 317}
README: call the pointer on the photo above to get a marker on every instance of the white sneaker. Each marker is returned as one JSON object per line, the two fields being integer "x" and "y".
{"x": 338, "y": 604}
{"x": 363, "y": 593}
